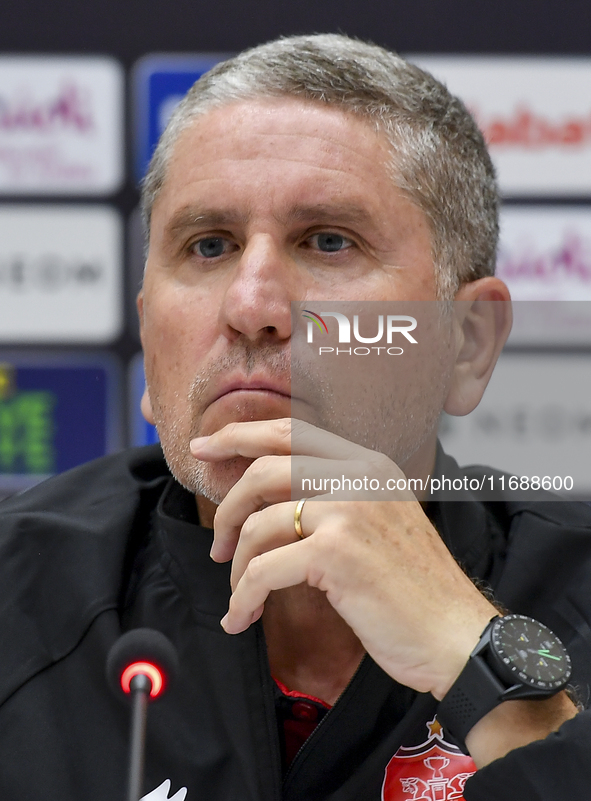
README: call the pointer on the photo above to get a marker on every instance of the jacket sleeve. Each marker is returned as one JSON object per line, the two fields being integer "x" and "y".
{"x": 557, "y": 768}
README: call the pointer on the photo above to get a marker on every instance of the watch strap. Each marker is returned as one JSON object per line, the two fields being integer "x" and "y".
{"x": 475, "y": 692}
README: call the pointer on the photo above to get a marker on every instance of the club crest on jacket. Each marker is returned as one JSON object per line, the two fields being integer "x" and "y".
{"x": 434, "y": 770}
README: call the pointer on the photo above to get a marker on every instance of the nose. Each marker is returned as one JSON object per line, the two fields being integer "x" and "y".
{"x": 257, "y": 301}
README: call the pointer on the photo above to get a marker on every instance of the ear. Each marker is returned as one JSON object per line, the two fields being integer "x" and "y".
{"x": 146, "y": 407}
{"x": 145, "y": 404}
{"x": 140, "y": 311}
{"x": 483, "y": 322}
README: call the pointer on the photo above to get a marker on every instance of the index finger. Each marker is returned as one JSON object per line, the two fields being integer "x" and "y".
{"x": 273, "y": 438}
{"x": 250, "y": 439}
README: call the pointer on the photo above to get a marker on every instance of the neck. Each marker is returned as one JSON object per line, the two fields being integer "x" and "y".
{"x": 311, "y": 649}
{"x": 422, "y": 463}
{"x": 206, "y": 510}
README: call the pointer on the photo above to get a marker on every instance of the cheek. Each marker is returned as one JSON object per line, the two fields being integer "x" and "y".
{"x": 176, "y": 341}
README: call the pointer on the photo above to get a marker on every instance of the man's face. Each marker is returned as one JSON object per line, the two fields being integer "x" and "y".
{"x": 265, "y": 202}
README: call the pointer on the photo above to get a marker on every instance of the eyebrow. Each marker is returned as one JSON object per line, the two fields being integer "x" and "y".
{"x": 189, "y": 216}
{"x": 319, "y": 213}
{"x": 350, "y": 213}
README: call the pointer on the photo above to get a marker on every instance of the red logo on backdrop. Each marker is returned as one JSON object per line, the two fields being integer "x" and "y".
{"x": 530, "y": 130}
{"x": 432, "y": 771}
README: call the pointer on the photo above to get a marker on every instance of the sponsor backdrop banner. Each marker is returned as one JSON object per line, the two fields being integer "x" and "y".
{"x": 56, "y": 411}
{"x": 534, "y": 420}
{"x": 160, "y": 81}
{"x": 61, "y": 266}
{"x": 60, "y": 273}
{"x": 535, "y": 114}
{"x": 545, "y": 252}
{"x": 61, "y": 125}
{"x": 545, "y": 255}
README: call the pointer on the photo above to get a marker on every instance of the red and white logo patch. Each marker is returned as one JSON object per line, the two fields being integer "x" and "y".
{"x": 432, "y": 771}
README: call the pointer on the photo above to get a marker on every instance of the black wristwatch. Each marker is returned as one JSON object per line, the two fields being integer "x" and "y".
{"x": 517, "y": 657}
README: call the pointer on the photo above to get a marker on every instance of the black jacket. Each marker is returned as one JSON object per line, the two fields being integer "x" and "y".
{"x": 115, "y": 545}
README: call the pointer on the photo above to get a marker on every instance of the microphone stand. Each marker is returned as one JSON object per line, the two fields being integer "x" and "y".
{"x": 140, "y": 687}
{"x": 140, "y": 664}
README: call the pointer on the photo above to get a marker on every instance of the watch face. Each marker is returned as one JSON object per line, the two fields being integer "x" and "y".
{"x": 531, "y": 652}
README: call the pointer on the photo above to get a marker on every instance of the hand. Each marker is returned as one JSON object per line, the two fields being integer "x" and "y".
{"x": 382, "y": 565}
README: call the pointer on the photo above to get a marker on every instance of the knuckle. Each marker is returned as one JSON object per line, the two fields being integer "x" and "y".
{"x": 255, "y": 569}
{"x": 283, "y": 429}
{"x": 383, "y": 463}
{"x": 227, "y": 432}
{"x": 220, "y": 516}
{"x": 259, "y": 467}
{"x": 331, "y": 540}
{"x": 249, "y": 527}
{"x": 234, "y": 428}
{"x": 326, "y": 541}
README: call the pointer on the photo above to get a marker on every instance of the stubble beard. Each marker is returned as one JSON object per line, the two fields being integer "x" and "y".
{"x": 394, "y": 423}
{"x": 212, "y": 480}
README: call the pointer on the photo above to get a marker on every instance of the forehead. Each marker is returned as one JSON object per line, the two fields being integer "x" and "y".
{"x": 312, "y": 147}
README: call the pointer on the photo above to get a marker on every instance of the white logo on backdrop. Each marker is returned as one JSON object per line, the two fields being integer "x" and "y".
{"x": 534, "y": 420}
{"x": 535, "y": 114}
{"x": 60, "y": 273}
{"x": 61, "y": 125}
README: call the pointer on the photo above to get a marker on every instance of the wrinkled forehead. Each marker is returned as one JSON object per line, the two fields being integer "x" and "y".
{"x": 277, "y": 126}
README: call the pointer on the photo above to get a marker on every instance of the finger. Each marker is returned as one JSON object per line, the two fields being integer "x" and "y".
{"x": 263, "y": 531}
{"x": 273, "y": 479}
{"x": 265, "y": 481}
{"x": 256, "y": 438}
{"x": 275, "y": 570}
{"x": 310, "y": 440}
{"x": 250, "y": 439}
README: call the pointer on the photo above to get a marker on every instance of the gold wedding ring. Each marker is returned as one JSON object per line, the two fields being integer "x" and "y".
{"x": 297, "y": 519}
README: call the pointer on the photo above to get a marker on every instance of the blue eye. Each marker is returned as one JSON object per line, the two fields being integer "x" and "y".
{"x": 211, "y": 246}
{"x": 330, "y": 242}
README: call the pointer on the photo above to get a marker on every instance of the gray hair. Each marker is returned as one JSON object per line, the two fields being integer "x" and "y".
{"x": 439, "y": 157}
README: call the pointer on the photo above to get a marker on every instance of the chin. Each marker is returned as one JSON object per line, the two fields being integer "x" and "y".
{"x": 211, "y": 480}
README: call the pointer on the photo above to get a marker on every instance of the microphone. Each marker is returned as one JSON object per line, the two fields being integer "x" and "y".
{"x": 142, "y": 663}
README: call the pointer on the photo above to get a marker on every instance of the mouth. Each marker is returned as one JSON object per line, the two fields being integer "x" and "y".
{"x": 254, "y": 385}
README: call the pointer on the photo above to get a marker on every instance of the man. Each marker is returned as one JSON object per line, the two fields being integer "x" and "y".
{"x": 310, "y": 169}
